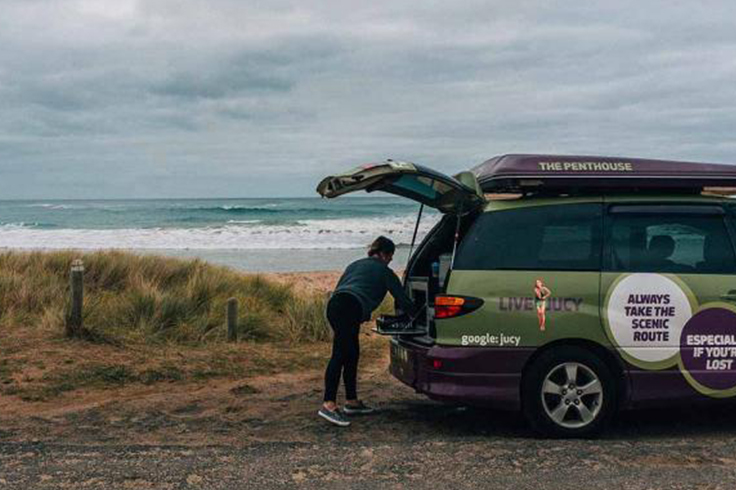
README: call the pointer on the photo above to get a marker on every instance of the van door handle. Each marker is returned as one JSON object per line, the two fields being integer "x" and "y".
{"x": 729, "y": 296}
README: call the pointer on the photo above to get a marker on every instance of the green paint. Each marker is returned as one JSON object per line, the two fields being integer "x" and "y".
{"x": 495, "y": 286}
{"x": 508, "y": 296}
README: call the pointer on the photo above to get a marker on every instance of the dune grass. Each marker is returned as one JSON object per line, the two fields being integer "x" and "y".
{"x": 132, "y": 299}
{"x": 151, "y": 320}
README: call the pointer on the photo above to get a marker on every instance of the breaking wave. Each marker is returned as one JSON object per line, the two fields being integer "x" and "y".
{"x": 340, "y": 233}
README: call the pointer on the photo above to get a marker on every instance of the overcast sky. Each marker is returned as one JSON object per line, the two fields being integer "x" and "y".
{"x": 216, "y": 98}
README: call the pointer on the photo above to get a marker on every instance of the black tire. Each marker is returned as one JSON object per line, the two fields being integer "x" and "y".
{"x": 552, "y": 370}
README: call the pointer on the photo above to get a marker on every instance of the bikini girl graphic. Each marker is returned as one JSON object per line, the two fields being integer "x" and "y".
{"x": 541, "y": 294}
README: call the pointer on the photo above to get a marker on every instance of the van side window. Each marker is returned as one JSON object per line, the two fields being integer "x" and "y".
{"x": 669, "y": 242}
{"x": 559, "y": 237}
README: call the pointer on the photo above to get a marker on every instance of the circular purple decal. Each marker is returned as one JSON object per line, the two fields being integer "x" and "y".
{"x": 708, "y": 348}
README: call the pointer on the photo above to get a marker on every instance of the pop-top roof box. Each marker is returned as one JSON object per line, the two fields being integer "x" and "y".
{"x": 559, "y": 173}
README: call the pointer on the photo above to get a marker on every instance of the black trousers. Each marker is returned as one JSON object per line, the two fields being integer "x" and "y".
{"x": 344, "y": 314}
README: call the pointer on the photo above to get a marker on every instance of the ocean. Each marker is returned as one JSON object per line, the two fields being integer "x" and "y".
{"x": 257, "y": 235}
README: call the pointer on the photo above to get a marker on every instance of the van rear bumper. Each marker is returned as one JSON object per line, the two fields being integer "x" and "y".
{"x": 484, "y": 376}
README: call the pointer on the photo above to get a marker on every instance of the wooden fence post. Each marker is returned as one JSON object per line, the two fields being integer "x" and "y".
{"x": 232, "y": 320}
{"x": 74, "y": 322}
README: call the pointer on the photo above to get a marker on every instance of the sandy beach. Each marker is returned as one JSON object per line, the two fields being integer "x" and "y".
{"x": 319, "y": 282}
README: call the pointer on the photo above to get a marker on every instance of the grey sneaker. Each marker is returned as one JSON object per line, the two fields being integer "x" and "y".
{"x": 359, "y": 409}
{"x": 334, "y": 416}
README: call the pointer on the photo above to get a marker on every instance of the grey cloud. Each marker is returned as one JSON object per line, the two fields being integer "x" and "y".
{"x": 268, "y": 97}
{"x": 216, "y": 79}
{"x": 204, "y": 85}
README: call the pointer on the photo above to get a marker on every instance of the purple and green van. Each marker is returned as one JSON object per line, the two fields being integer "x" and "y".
{"x": 567, "y": 287}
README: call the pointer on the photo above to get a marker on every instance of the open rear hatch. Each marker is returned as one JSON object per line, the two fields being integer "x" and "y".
{"x": 451, "y": 195}
{"x": 458, "y": 196}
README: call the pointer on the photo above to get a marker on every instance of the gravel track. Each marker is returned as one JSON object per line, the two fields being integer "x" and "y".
{"x": 268, "y": 436}
{"x": 695, "y": 456}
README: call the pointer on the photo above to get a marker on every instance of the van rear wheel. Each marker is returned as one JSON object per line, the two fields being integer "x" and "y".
{"x": 568, "y": 392}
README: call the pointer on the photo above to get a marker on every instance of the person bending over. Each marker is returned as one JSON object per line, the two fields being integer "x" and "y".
{"x": 359, "y": 291}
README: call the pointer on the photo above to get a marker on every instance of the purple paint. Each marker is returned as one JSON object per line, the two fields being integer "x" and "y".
{"x": 474, "y": 375}
{"x": 708, "y": 348}
{"x": 513, "y": 172}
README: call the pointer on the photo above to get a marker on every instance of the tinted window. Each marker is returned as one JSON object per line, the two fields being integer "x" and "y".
{"x": 561, "y": 237}
{"x": 424, "y": 186}
{"x": 689, "y": 243}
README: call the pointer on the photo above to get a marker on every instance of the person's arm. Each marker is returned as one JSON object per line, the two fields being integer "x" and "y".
{"x": 393, "y": 284}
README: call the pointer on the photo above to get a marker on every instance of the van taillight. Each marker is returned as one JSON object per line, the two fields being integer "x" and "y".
{"x": 452, "y": 306}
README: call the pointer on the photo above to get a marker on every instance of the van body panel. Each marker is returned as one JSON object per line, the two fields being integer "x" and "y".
{"x": 497, "y": 340}
{"x": 685, "y": 290}
{"x": 476, "y": 375}
{"x": 652, "y": 389}
{"x": 538, "y": 201}
{"x": 661, "y": 382}
{"x": 509, "y": 314}
{"x": 616, "y": 198}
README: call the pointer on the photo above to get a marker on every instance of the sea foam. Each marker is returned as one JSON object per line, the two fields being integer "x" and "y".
{"x": 248, "y": 235}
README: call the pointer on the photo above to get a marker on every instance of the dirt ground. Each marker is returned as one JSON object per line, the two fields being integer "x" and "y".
{"x": 265, "y": 433}
{"x": 262, "y": 432}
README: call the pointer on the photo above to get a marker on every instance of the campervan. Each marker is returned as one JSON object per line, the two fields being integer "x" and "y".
{"x": 571, "y": 287}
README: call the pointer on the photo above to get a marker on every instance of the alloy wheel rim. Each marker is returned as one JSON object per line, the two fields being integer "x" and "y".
{"x": 572, "y": 395}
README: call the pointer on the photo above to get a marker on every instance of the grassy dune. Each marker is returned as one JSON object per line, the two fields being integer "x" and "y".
{"x": 142, "y": 299}
{"x": 150, "y": 320}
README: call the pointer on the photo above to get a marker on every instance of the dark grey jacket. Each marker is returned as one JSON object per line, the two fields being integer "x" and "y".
{"x": 368, "y": 280}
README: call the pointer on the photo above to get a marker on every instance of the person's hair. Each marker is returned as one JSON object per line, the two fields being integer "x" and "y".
{"x": 381, "y": 245}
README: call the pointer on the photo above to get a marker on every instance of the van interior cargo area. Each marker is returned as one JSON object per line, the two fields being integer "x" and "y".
{"x": 405, "y": 324}
{"x": 397, "y": 325}
{"x": 425, "y": 277}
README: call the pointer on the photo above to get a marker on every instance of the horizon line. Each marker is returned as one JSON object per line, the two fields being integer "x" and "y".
{"x": 182, "y": 198}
